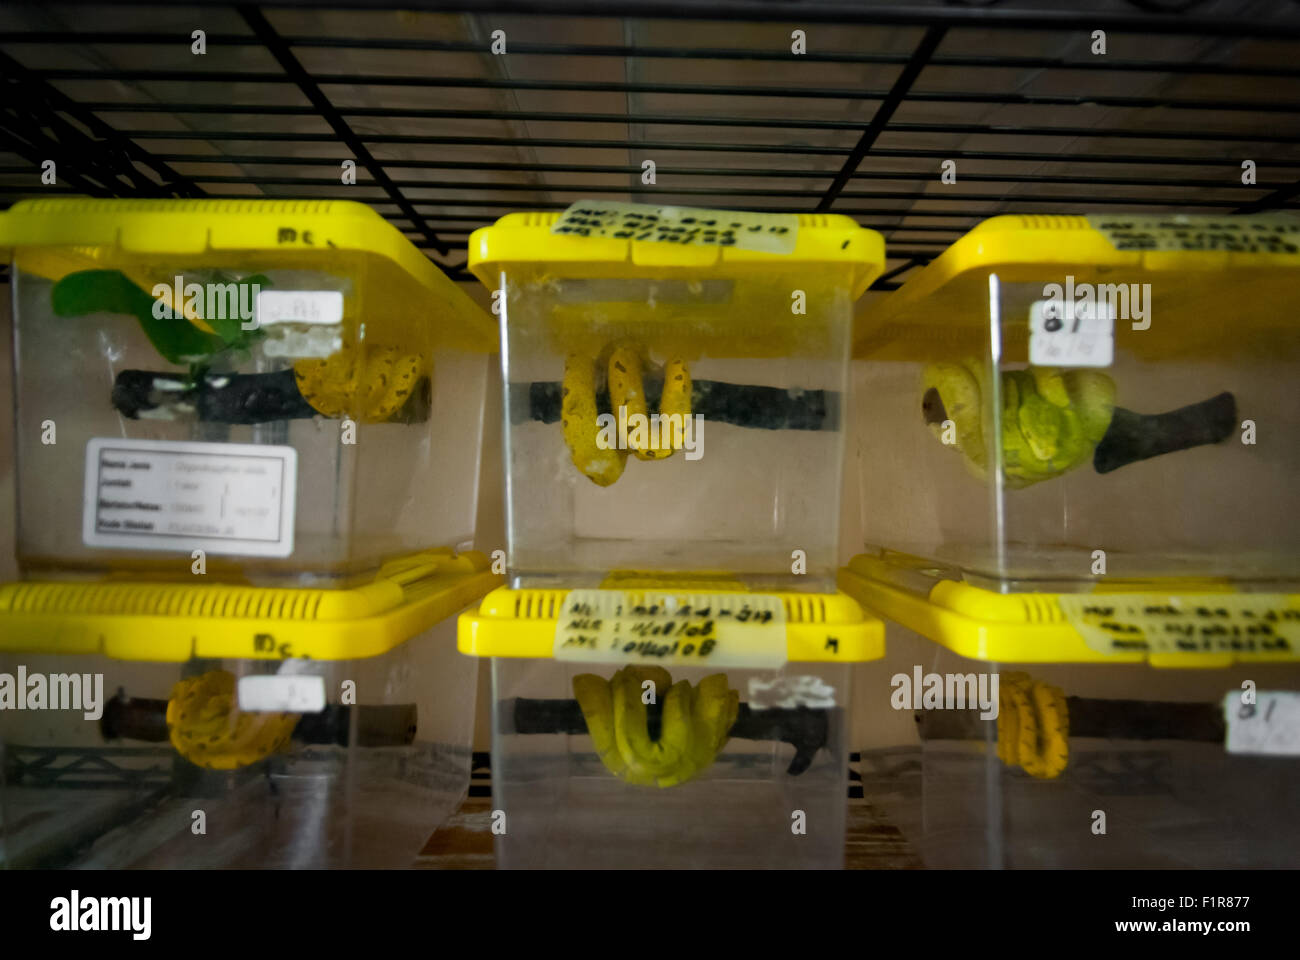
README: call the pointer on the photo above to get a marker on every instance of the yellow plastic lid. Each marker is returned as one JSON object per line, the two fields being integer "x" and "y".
{"x": 1166, "y": 623}
{"x": 268, "y": 227}
{"x": 1199, "y": 268}
{"x": 806, "y": 627}
{"x": 526, "y": 240}
{"x": 171, "y": 622}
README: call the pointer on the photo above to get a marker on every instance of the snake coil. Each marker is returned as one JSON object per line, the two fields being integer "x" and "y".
{"x": 371, "y": 385}
{"x": 1033, "y": 726}
{"x": 696, "y": 723}
{"x": 624, "y": 364}
{"x": 207, "y": 728}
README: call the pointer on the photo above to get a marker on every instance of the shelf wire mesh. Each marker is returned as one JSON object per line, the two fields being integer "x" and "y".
{"x": 447, "y": 135}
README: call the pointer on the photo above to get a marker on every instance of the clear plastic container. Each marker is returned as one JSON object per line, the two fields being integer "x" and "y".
{"x": 289, "y": 387}
{"x": 1060, "y": 406}
{"x": 748, "y": 348}
{"x": 200, "y": 727}
{"x": 727, "y": 751}
{"x": 1144, "y": 780}
{"x": 237, "y": 423}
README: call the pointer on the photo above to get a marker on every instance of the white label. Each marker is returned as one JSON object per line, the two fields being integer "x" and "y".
{"x": 1270, "y": 725}
{"x": 280, "y": 694}
{"x": 222, "y": 498}
{"x": 1218, "y": 623}
{"x": 1271, "y": 233}
{"x": 1068, "y": 333}
{"x": 656, "y": 626}
{"x": 299, "y": 306}
{"x": 689, "y": 226}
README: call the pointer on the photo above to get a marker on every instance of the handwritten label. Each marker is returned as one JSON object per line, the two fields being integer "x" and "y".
{"x": 691, "y": 226}
{"x": 666, "y": 627}
{"x": 1236, "y": 623}
{"x": 299, "y": 306}
{"x": 1068, "y": 333}
{"x": 1272, "y": 233}
{"x": 1270, "y": 725}
{"x": 303, "y": 693}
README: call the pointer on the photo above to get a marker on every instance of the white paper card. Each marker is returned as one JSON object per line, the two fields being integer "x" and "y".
{"x": 1270, "y": 725}
{"x": 1067, "y": 333}
{"x": 299, "y": 306}
{"x": 222, "y": 498}
{"x": 303, "y": 693}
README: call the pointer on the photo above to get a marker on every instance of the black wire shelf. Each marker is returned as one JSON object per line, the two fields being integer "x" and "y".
{"x": 447, "y": 135}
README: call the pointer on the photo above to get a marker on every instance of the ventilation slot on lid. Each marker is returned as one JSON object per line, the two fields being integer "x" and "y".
{"x": 1040, "y": 609}
{"x": 537, "y": 605}
{"x": 1048, "y": 221}
{"x": 800, "y": 609}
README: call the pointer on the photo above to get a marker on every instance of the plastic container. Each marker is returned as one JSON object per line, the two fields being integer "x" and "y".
{"x": 738, "y": 326}
{"x": 248, "y": 442}
{"x": 740, "y": 761}
{"x": 289, "y": 387}
{"x": 1126, "y": 767}
{"x": 214, "y": 726}
{"x": 1062, "y": 407}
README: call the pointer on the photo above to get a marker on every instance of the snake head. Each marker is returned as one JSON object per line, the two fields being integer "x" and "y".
{"x": 932, "y": 408}
{"x": 1052, "y": 420}
{"x": 951, "y": 409}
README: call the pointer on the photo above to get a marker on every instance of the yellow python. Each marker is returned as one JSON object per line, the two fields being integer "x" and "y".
{"x": 624, "y": 365}
{"x": 371, "y": 385}
{"x": 207, "y": 728}
{"x": 1033, "y": 726}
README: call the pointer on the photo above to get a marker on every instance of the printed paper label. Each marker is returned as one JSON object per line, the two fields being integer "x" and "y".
{"x": 611, "y": 220}
{"x": 1068, "y": 333}
{"x": 665, "y": 627}
{"x": 1234, "y": 623}
{"x": 301, "y": 693}
{"x": 1270, "y": 725}
{"x": 299, "y": 306}
{"x": 222, "y": 498}
{"x": 1274, "y": 233}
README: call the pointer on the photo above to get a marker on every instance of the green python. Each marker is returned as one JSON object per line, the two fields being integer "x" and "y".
{"x": 696, "y": 723}
{"x": 1051, "y": 420}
